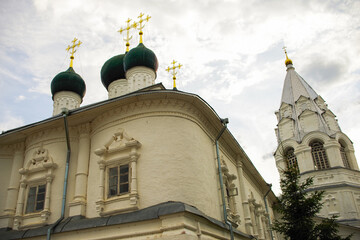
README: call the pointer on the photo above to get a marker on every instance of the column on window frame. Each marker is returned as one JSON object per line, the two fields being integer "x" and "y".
{"x": 102, "y": 178}
{"x": 49, "y": 179}
{"x": 134, "y": 156}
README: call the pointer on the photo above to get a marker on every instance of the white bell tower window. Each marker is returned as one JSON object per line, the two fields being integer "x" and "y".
{"x": 291, "y": 159}
{"x": 344, "y": 156}
{"x": 319, "y": 155}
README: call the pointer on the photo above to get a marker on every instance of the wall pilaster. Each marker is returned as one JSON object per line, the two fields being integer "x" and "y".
{"x": 245, "y": 204}
{"x": 78, "y": 204}
{"x": 13, "y": 188}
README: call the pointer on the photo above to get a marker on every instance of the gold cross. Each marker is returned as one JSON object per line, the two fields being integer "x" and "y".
{"x": 173, "y": 71}
{"x": 288, "y": 60}
{"x": 72, "y": 47}
{"x": 127, "y": 29}
{"x": 140, "y": 24}
{"x": 285, "y": 51}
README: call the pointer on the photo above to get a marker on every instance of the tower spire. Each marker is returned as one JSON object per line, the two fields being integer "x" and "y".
{"x": 140, "y": 25}
{"x": 287, "y": 60}
{"x": 174, "y": 72}
{"x": 71, "y": 49}
{"x": 127, "y": 29}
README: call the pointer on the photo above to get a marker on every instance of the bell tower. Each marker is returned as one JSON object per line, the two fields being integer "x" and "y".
{"x": 310, "y": 139}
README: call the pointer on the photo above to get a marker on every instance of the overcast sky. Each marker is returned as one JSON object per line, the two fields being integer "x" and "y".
{"x": 231, "y": 52}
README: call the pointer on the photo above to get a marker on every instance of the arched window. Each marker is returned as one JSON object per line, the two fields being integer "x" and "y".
{"x": 344, "y": 156}
{"x": 291, "y": 159}
{"x": 319, "y": 155}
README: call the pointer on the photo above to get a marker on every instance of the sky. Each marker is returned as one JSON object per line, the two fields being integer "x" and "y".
{"x": 231, "y": 51}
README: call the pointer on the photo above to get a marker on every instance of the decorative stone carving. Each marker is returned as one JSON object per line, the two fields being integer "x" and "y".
{"x": 321, "y": 103}
{"x": 119, "y": 149}
{"x": 40, "y": 161}
{"x": 65, "y": 99}
{"x": 231, "y": 192}
{"x": 118, "y": 88}
{"x": 38, "y": 169}
{"x": 331, "y": 204}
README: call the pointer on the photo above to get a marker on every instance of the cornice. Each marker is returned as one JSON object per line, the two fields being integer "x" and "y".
{"x": 148, "y": 107}
{"x": 47, "y": 136}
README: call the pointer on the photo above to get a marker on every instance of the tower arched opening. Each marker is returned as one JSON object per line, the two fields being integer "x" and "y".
{"x": 319, "y": 155}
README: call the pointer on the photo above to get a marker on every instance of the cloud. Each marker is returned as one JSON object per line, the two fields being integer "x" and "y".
{"x": 324, "y": 71}
{"x": 20, "y": 98}
{"x": 268, "y": 156}
{"x": 9, "y": 121}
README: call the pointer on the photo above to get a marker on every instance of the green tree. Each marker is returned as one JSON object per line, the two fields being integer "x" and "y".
{"x": 328, "y": 229}
{"x": 298, "y": 207}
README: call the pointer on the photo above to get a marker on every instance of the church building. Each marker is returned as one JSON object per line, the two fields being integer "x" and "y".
{"x": 310, "y": 139}
{"x": 146, "y": 163}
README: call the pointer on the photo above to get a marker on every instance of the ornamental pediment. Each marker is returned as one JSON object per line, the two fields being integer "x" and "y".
{"x": 284, "y": 106}
{"x": 285, "y": 110}
{"x": 321, "y": 103}
{"x": 285, "y": 120}
{"x": 40, "y": 161}
{"x": 329, "y": 113}
{"x": 118, "y": 142}
{"x": 302, "y": 99}
{"x": 307, "y": 112}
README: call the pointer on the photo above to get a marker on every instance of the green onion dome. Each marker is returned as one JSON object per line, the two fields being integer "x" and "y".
{"x": 140, "y": 56}
{"x": 112, "y": 70}
{"x": 68, "y": 81}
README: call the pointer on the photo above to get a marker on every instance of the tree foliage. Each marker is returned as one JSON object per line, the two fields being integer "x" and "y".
{"x": 298, "y": 207}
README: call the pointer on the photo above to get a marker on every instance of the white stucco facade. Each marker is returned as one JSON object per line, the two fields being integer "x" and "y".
{"x": 167, "y": 138}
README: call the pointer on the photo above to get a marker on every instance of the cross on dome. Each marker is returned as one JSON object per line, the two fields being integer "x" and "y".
{"x": 140, "y": 24}
{"x": 174, "y": 72}
{"x": 127, "y": 29}
{"x": 71, "y": 49}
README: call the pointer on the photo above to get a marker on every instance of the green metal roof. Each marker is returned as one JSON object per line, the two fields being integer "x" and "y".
{"x": 68, "y": 81}
{"x": 113, "y": 69}
{"x": 140, "y": 56}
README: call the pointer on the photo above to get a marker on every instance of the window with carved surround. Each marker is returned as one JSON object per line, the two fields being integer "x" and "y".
{"x": 259, "y": 218}
{"x": 319, "y": 155}
{"x": 291, "y": 159}
{"x": 344, "y": 156}
{"x": 118, "y": 179}
{"x": 36, "y": 198}
{"x": 33, "y": 204}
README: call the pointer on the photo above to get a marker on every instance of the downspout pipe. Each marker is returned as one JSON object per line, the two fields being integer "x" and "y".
{"x": 65, "y": 113}
{"x": 224, "y": 121}
{"x": 267, "y": 210}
